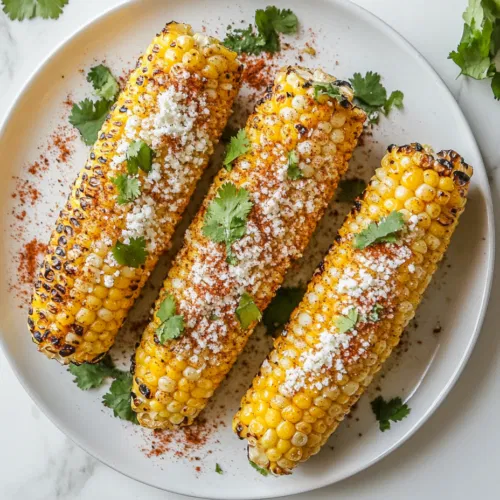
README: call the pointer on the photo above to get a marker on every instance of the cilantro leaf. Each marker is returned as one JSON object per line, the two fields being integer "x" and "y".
{"x": 495, "y": 85}
{"x": 385, "y": 411}
{"x": 128, "y": 188}
{"x": 294, "y": 172}
{"x": 133, "y": 254}
{"x": 383, "y": 232}
{"x": 368, "y": 89}
{"x": 218, "y": 469}
{"x": 247, "y": 311}
{"x": 118, "y": 398}
{"x": 329, "y": 89}
{"x": 374, "y": 314}
{"x": 89, "y": 376}
{"x": 281, "y": 307}
{"x": 104, "y": 82}
{"x": 259, "y": 469}
{"x": 282, "y": 20}
{"x": 28, "y": 9}
{"x": 350, "y": 189}
{"x": 238, "y": 146}
{"x": 395, "y": 100}
{"x": 172, "y": 325}
{"x": 226, "y": 217}
{"x": 139, "y": 156}
{"x": 88, "y": 116}
{"x": 346, "y": 323}
{"x": 245, "y": 41}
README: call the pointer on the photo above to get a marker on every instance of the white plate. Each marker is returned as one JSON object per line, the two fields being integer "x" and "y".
{"x": 457, "y": 299}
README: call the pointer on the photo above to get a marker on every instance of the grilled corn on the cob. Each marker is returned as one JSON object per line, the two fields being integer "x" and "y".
{"x": 292, "y": 128}
{"x": 355, "y": 307}
{"x": 175, "y": 105}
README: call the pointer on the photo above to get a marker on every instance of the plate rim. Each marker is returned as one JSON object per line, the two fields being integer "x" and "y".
{"x": 394, "y": 35}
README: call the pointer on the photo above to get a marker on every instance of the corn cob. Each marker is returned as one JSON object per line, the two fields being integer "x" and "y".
{"x": 173, "y": 382}
{"x": 177, "y": 101}
{"x": 355, "y": 308}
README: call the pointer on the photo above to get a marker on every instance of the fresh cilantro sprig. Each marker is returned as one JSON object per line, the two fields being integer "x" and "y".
{"x": 90, "y": 376}
{"x": 88, "y": 116}
{"x": 238, "y": 146}
{"x": 387, "y": 411}
{"x": 294, "y": 172}
{"x": 264, "y": 37}
{"x": 118, "y": 398}
{"x": 347, "y": 323}
{"x": 371, "y": 95}
{"x": 247, "y": 312}
{"x": 350, "y": 189}
{"x": 259, "y": 469}
{"x": 28, "y": 9}
{"x": 226, "y": 217}
{"x": 128, "y": 188}
{"x": 480, "y": 43}
{"x": 386, "y": 231}
{"x": 329, "y": 89}
{"x": 132, "y": 254}
{"x": 172, "y": 325}
{"x": 139, "y": 156}
{"x": 281, "y": 307}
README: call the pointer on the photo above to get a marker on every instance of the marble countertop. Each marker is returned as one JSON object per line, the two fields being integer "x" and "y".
{"x": 456, "y": 453}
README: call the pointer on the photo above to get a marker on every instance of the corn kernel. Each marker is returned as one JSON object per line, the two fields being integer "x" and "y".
{"x": 285, "y": 430}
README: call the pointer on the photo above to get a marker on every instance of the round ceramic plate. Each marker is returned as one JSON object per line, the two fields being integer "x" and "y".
{"x": 347, "y": 40}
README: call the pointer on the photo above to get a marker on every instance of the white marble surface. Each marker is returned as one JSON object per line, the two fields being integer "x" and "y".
{"x": 455, "y": 455}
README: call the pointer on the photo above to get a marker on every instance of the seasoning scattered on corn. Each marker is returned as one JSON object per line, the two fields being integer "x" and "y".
{"x": 121, "y": 214}
{"x": 299, "y": 144}
{"x": 356, "y": 306}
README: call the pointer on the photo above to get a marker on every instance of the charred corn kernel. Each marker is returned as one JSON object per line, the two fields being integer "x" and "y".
{"x": 316, "y": 395}
{"x": 79, "y": 267}
{"x": 216, "y": 343}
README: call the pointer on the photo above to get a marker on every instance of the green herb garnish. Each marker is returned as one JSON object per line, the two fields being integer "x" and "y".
{"x": 218, "y": 469}
{"x": 264, "y": 36}
{"x": 172, "y": 325}
{"x": 28, "y": 9}
{"x": 118, "y": 398}
{"x": 387, "y": 411}
{"x": 128, "y": 188}
{"x": 89, "y": 376}
{"x": 371, "y": 95}
{"x": 247, "y": 311}
{"x": 347, "y": 323}
{"x": 259, "y": 469}
{"x": 139, "y": 156}
{"x": 104, "y": 82}
{"x": 226, "y": 217}
{"x": 330, "y": 89}
{"x": 238, "y": 146}
{"x": 294, "y": 172}
{"x": 350, "y": 189}
{"x": 375, "y": 313}
{"x": 386, "y": 231}
{"x": 88, "y": 116}
{"x": 480, "y": 43}
{"x": 281, "y": 307}
{"x": 133, "y": 254}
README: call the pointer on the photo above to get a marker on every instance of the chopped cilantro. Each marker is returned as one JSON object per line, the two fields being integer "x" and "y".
{"x": 28, "y": 9}
{"x": 238, "y": 146}
{"x": 294, "y": 172}
{"x": 329, "y": 89}
{"x": 226, "y": 217}
{"x": 247, "y": 311}
{"x": 139, "y": 156}
{"x": 89, "y": 376}
{"x": 375, "y": 313}
{"x": 480, "y": 43}
{"x": 172, "y": 324}
{"x": 218, "y": 469}
{"x": 259, "y": 469}
{"x": 133, "y": 254}
{"x": 128, "y": 188}
{"x": 371, "y": 95}
{"x": 88, "y": 116}
{"x": 264, "y": 37}
{"x": 346, "y": 323}
{"x": 385, "y": 411}
{"x": 386, "y": 231}
{"x": 350, "y": 189}
{"x": 118, "y": 398}
{"x": 279, "y": 310}
{"x": 104, "y": 82}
